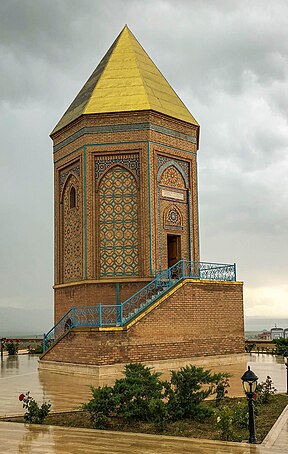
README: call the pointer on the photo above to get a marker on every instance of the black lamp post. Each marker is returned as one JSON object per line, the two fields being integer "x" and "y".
{"x": 285, "y": 356}
{"x": 249, "y": 380}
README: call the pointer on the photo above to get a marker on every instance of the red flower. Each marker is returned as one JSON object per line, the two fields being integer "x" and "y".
{"x": 254, "y": 396}
{"x": 21, "y": 397}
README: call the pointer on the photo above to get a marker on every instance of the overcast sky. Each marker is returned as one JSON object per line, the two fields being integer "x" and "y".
{"x": 227, "y": 60}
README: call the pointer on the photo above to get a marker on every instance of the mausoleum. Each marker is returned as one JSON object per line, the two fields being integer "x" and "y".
{"x": 129, "y": 283}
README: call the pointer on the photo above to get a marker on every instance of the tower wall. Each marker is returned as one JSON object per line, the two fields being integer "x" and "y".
{"x": 106, "y": 238}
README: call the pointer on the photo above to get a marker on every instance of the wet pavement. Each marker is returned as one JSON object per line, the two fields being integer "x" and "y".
{"x": 20, "y": 374}
{"x": 18, "y": 438}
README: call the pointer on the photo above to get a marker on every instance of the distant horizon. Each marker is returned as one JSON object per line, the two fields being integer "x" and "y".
{"x": 258, "y": 323}
{"x": 266, "y": 317}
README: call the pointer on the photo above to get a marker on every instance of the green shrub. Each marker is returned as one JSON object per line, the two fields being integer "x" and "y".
{"x": 141, "y": 396}
{"x": 249, "y": 347}
{"x": 281, "y": 345}
{"x": 187, "y": 390}
{"x": 101, "y": 406}
{"x": 241, "y": 415}
{"x": 224, "y": 423}
{"x": 139, "y": 393}
{"x": 137, "y": 396}
{"x": 158, "y": 414}
{"x": 12, "y": 347}
{"x": 35, "y": 351}
{"x": 228, "y": 419}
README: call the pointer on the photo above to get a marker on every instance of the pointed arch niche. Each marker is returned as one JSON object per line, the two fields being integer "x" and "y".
{"x": 173, "y": 212}
{"x": 71, "y": 235}
{"x": 118, "y": 223}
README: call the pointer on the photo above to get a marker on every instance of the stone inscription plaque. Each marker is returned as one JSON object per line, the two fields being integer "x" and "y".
{"x": 172, "y": 194}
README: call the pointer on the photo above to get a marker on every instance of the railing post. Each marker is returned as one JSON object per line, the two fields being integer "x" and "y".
{"x": 235, "y": 271}
{"x": 169, "y": 276}
{"x": 44, "y": 342}
{"x": 74, "y": 315}
{"x": 121, "y": 314}
{"x": 183, "y": 268}
{"x": 100, "y": 314}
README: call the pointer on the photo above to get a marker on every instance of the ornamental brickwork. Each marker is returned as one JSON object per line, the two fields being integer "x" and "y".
{"x": 118, "y": 223}
{"x": 172, "y": 178}
{"x": 71, "y": 230}
{"x": 173, "y": 218}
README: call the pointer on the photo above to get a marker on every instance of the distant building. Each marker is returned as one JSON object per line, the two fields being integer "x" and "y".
{"x": 286, "y": 333}
{"x": 265, "y": 335}
{"x": 277, "y": 333}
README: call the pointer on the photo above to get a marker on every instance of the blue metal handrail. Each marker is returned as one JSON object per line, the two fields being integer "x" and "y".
{"x": 120, "y": 314}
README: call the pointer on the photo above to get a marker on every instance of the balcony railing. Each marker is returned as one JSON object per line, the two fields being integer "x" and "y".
{"x": 119, "y": 314}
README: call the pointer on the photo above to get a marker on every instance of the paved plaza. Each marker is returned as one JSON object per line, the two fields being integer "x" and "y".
{"x": 66, "y": 392}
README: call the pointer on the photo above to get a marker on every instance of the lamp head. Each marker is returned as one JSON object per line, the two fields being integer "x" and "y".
{"x": 249, "y": 380}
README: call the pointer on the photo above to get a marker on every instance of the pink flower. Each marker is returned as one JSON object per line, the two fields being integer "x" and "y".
{"x": 21, "y": 397}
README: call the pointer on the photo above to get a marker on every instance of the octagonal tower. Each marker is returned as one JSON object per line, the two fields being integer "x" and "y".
{"x": 125, "y": 181}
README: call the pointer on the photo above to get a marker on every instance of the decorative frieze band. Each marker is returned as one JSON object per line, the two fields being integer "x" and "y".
{"x": 125, "y": 128}
{"x": 102, "y": 163}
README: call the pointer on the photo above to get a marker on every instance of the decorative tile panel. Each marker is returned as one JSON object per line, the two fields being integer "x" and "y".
{"x": 172, "y": 177}
{"x": 72, "y": 233}
{"x": 161, "y": 160}
{"x": 118, "y": 223}
{"x": 104, "y": 162}
{"x": 173, "y": 218}
{"x": 64, "y": 175}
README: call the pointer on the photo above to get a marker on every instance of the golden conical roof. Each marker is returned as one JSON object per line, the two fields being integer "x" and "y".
{"x": 126, "y": 79}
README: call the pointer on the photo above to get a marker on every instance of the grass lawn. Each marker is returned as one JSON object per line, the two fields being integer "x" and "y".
{"x": 266, "y": 416}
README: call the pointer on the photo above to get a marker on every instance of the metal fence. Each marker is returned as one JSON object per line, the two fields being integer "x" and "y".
{"x": 120, "y": 314}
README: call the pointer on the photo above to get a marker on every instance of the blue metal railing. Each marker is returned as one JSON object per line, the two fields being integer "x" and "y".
{"x": 120, "y": 314}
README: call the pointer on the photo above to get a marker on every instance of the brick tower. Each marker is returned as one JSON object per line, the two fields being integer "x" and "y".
{"x": 129, "y": 285}
{"x": 125, "y": 181}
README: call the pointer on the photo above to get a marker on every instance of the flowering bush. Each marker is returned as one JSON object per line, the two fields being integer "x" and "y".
{"x": 265, "y": 390}
{"x": 229, "y": 419}
{"x": 221, "y": 384}
{"x": 34, "y": 413}
{"x": 224, "y": 423}
{"x": 241, "y": 415}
